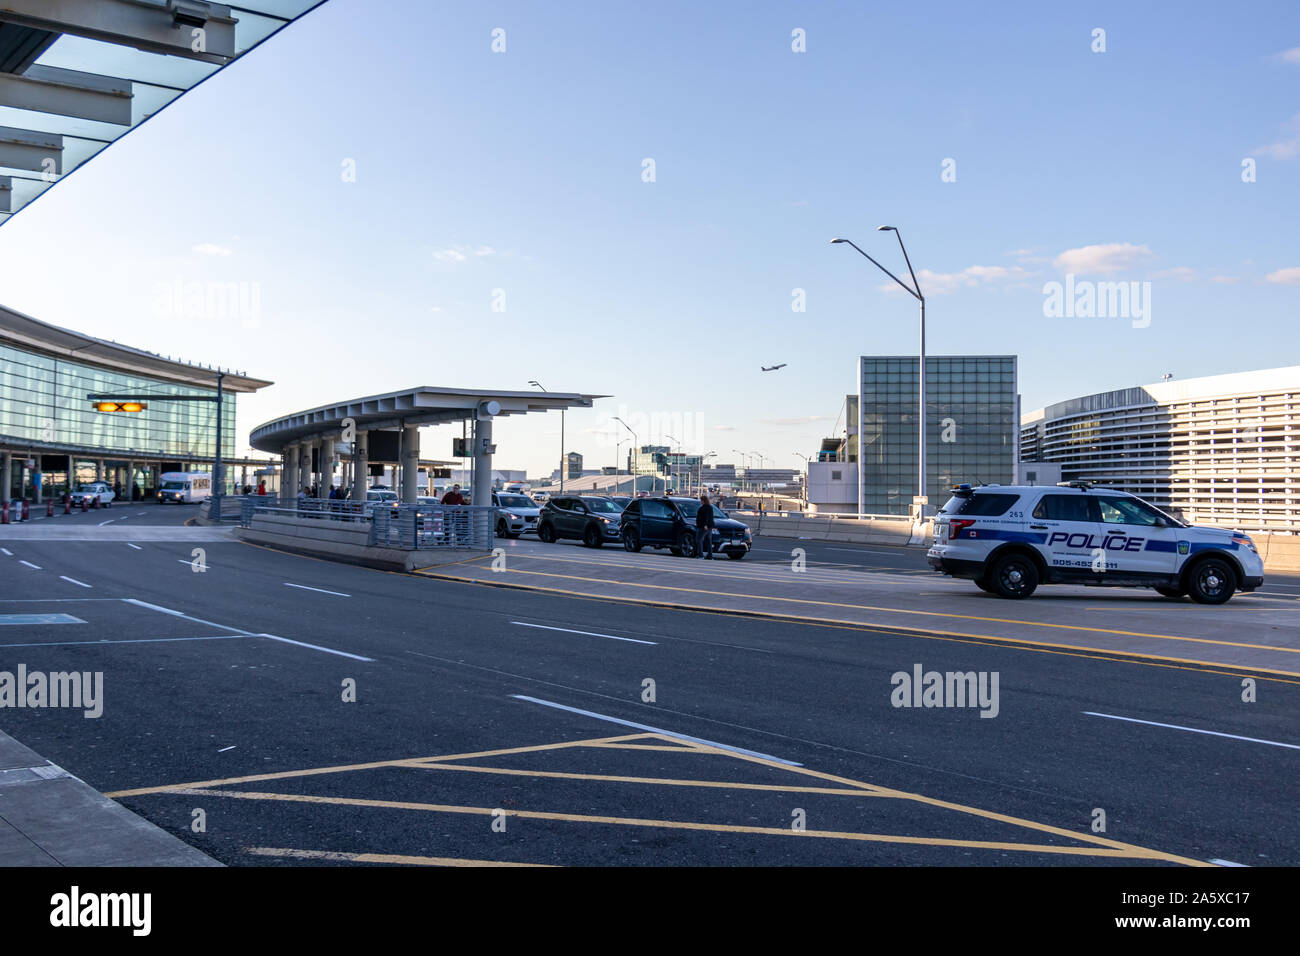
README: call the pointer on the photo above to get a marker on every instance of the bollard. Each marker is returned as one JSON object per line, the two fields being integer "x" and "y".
{"x": 94, "y": 503}
{"x": 84, "y": 504}
{"x": 67, "y": 504}
{"x": 49, "y": 508}
{"x": 27, "y": 513}
{"x": 4, "y": 513}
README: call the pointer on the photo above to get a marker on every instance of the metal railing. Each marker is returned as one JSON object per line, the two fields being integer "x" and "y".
{"x": 337, "y": 509}
{"x": 422, "y": 527}
{"x": 405, "y": 527}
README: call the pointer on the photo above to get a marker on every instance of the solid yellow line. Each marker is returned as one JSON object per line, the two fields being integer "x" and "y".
{"x": 680, "y": 824}
{"x": 717, "y": 784}
{"x": 665, "y": 747}
{"x": 398, "y": 858}
{"x": 891, "y": 610}
{"x": 905, "y": 630}
{"x": 403, "y": 762}
{"x": 1128, "y": 848}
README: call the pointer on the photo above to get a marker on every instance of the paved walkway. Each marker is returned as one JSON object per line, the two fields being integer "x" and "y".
{"x": 48, "y": 817}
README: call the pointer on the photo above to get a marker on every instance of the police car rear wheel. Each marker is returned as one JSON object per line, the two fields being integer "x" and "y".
{"x": 985, "y": 586}
{"x": 1211, "y": 582}
{"x": 1014, "y": 576}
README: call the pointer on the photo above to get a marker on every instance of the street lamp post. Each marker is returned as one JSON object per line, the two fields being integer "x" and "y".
{"x": 806, "y": 468}
{"x": 617, "y": 485}
{"x": 634, "y": 445}
{"x": 562, "y": 461}
{"x": 915, "y": 292}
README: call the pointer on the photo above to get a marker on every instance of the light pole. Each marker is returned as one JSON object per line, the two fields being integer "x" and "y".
{"x": 806, "y": 468}
{"x": 699, "y": 471}
{"x": 744, "y": 463}
{"x": 617, "y": 443}
{"x": 562, "y": 461}
{"x": 915, "y": 292}
{"x": 634, "y": 445}
{"x": 671, "y": 456}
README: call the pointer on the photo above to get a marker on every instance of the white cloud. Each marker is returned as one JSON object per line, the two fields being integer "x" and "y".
{"x": 1103, "y": 258}
{"x": 1289, "y": 276}
{"x": 942, "y": 283}
{"x": 212, "y": 249}
{"x": 1289, "y": 146}
{"x": 1290, "y": 56}
{"x": 801, "y": 420}
{"x": 461, "y": 253}
{"x": 1181, "y": 273}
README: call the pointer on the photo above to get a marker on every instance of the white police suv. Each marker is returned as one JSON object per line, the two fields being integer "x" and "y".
{"x": 1009, "y": 539}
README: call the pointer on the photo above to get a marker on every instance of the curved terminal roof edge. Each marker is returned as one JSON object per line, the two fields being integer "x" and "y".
{"x": 33, "y": 335}
{"x": 424, "y": 405}
{"x": 1207, "y": 386}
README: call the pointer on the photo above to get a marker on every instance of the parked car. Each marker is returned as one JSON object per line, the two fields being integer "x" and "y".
{"x": 95, "y": 489}
{"x": 591, "y": 519}
{"x": 516, "y": 514}
{"x": 663, "y": 522}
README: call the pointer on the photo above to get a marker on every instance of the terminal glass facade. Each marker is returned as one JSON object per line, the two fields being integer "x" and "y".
{"x": 43, "y": 400}
{"x": 971, "y": 427}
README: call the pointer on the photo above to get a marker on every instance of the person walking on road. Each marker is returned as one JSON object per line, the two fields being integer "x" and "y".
{"x": 704, "y": 529}
{"x": 453, "y": 497}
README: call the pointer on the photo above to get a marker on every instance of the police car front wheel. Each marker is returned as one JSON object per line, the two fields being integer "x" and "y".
{"x": 1211, "y": 581}
{"x": 1014, "y": 576}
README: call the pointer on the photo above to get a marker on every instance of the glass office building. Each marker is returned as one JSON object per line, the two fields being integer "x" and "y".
{"x": 971, "y": 427}
{"x": 49, "y": 428}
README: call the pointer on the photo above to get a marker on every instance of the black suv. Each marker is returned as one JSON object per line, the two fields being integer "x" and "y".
{"x": 670, "y": 523}
{"x": 591, "y": 519}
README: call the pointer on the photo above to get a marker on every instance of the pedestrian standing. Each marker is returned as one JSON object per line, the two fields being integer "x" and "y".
{"x": 704, "y": 529}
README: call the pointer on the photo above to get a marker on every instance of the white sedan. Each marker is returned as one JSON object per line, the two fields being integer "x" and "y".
{"x": 100, "y": 489}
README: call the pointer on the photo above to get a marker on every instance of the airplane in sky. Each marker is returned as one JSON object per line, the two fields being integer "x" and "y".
{"x": 773, "y": 368}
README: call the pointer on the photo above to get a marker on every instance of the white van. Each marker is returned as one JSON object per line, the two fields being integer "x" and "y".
{"x": 185, "y": 487}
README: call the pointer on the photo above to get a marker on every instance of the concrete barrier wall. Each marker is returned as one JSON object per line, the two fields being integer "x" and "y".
{"x": 1281, "y": 552}
{"x": 343, "y": 541}
{"x": 895, "y": 531}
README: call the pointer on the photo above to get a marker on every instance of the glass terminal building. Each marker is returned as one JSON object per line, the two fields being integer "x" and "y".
{"x": 51, "y": 435}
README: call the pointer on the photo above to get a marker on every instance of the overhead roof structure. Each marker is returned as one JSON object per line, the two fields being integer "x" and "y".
{"x": 24, "y": 332}
{"x": 75, "y": 75}
{"x": 427, "y": 405}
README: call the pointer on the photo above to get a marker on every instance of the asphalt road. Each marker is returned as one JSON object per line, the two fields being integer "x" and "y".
{"x": 240, "y": 670}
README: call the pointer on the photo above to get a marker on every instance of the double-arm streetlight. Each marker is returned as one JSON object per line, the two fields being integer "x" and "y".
{"x": 563, "y": 463}
{"x": 915, "y": 292}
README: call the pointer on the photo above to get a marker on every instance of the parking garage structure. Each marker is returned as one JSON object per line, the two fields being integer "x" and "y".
{"x": 362, "y": 434}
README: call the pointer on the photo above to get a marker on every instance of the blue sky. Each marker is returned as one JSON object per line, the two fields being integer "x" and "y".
{"x": 522, "y": 171}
